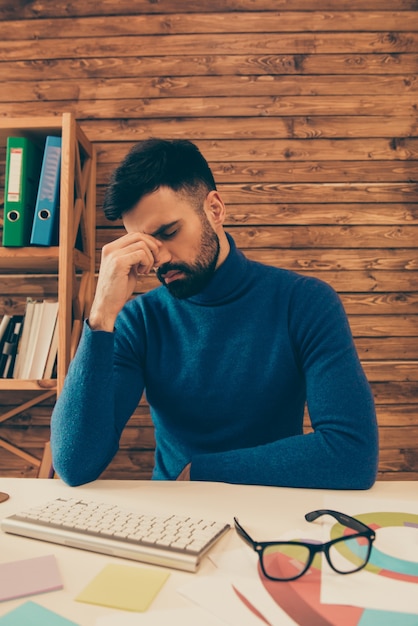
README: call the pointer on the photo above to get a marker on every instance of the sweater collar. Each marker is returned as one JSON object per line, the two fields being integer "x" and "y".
{"x": 229, "y": 279}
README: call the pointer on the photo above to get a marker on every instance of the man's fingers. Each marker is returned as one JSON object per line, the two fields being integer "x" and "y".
{"x": 137, "y": 238}
{"x": 134, "y": 250}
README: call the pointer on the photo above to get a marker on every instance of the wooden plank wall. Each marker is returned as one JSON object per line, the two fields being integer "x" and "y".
{"x": 307, "y": 112}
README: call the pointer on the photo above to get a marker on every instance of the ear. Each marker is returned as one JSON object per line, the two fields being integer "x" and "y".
{"x": 215, "y": 209}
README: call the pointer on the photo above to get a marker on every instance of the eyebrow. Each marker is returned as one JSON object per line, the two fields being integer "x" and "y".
{"x": 163, "y": 228}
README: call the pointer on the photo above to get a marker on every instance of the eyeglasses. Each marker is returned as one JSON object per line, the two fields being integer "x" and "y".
{"x": 288, "y": 560}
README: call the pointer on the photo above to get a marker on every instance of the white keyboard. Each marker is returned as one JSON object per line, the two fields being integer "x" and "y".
{"x": 169, "y": 540}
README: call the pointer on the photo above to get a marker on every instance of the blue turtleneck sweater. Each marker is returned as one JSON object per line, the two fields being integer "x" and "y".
{"x": 227, "y": 374}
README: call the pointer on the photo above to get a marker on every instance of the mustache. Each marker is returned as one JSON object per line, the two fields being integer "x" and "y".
{"x": 169, "y": 267}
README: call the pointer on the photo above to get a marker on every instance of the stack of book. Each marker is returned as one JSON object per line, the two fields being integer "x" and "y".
{"x": 31, "y": 192}
{"x": 29, "y": 342}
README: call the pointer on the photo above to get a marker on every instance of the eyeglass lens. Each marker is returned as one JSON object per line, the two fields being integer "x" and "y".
{"x": 285, "y": 561}
{"x": 349, "y": 554}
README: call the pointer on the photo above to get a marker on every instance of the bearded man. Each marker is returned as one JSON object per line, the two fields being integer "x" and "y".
{"x": 229, "y": 352}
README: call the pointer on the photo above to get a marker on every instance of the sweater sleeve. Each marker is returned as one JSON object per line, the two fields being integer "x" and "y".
{"x": 342, "y": 450}
{"x": 85, "y": 427}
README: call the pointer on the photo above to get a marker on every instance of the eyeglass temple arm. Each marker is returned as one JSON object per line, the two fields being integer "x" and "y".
{"x": 243, "y": 533}
{"x": 344, "y": 519}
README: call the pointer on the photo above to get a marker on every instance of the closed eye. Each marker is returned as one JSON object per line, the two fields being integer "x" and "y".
{"x": 167, "y": 231}
{"x": 165, "y": 235}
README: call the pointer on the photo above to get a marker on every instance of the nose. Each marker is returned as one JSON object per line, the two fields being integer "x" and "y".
{"x": 164, "y": 256}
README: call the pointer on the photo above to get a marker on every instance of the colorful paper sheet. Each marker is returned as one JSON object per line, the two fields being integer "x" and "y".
{"x": 28, "y": 577}
{"x": 389, "y": 581}
{"x": 32, "y": 614}
{"x": 124, "y": 587}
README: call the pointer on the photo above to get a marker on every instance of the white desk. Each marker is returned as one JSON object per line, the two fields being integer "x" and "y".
{"x": 267, "y": 512}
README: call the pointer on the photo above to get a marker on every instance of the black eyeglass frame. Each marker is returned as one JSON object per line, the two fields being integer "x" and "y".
{"x": 346, "y": 520}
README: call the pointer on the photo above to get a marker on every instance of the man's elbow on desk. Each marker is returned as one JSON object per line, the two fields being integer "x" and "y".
{"x": 359, "y": 480}
{"x": 73, "y": 478}
{"x": 74, "y": 473}
{"x": 354, "y": 467}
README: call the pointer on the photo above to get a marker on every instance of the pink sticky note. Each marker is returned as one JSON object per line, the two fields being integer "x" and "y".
{"x": 28, "y": 577}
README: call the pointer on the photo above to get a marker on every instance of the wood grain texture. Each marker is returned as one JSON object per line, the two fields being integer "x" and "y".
{"x": 308, "y": 118}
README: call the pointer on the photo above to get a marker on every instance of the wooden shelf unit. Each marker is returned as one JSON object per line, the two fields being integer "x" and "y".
{"x": 73, "y": 268}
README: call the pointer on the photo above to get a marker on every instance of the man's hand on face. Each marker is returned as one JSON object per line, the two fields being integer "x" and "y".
{"x": 122, "y": 261}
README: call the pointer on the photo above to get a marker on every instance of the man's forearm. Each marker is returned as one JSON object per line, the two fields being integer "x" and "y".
{"x": 83, "y": 434}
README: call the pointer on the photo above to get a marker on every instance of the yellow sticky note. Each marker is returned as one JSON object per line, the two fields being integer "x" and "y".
{"x": 124, "y": 587}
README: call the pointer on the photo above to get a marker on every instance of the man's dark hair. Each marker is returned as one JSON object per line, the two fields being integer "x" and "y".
{"x": 155, "y": 163}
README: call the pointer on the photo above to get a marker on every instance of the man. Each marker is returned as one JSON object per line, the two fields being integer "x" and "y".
{"x": 228, "y": 351}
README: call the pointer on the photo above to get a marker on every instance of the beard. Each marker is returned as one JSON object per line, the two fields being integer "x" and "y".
{"x": 198, "y": 274}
